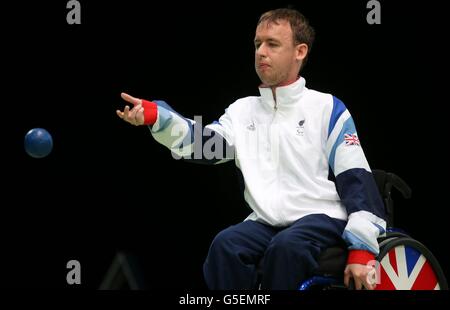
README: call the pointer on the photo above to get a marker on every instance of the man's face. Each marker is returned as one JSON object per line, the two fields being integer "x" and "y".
{"x": 276, "y": 57}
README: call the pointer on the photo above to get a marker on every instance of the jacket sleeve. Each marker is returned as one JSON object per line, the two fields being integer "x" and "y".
{"x": 356, "y": 186}
{"x": 188, "y": 140}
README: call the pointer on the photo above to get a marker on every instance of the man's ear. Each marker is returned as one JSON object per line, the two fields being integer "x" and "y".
{"x": 302, "y": 51}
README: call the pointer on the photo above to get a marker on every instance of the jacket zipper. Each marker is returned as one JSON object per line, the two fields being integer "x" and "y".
{"x": 276, "y": 196}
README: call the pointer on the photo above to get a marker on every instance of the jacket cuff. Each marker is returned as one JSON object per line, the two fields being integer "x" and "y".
{"x": 150, "y": 112}
{"x": 360, "y": 257}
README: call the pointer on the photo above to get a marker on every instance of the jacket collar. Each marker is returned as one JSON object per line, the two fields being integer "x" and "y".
{"x": 287, "y": 95}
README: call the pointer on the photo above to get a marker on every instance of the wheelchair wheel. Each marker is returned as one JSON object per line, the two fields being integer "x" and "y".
{"x": 406, "y": 264}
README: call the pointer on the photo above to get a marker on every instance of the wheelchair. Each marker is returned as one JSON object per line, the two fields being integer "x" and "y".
{"x": 403, "y": 263}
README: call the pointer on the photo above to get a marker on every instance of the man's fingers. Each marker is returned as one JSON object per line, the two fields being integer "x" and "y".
{"x": 358, "y": 284}
{"x": 346, "y": 279}
{"x": 370, "y": 285}
{"x": 371, "y": 279}
{"x": 133, "y": 112}
{"x": 134, "y": 116}
{"x": 140, "y": 116}
{"x": 125, "y": 113}
{"x": 130, "y": 99}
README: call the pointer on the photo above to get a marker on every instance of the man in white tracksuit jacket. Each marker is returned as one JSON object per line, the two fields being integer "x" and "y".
{"x": 305, "y": 174}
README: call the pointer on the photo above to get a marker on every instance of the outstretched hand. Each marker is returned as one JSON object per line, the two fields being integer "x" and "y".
{"x": 135, "y": 116}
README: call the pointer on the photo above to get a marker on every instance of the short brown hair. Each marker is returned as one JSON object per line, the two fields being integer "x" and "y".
{"x": 301, "y": 29}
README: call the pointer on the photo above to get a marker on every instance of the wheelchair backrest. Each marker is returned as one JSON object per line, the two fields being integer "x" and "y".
{"x": 385, "y": 182}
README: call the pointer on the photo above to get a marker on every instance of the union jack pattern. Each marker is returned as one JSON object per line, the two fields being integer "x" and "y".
{"x": 351, "y": 139}
{"x": 405, "y": 268}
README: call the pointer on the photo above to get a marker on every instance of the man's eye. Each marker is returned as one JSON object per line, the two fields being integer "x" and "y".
{"x": 273, "y": 44}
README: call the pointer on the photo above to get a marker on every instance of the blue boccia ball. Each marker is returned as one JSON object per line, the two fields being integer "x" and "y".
{"x": 38, "y": 143}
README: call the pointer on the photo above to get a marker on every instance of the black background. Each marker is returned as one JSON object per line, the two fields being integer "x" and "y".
{"x": 108, "y": 187}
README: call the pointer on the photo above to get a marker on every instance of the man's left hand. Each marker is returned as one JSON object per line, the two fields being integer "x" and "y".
{"x": 363, "y": 275}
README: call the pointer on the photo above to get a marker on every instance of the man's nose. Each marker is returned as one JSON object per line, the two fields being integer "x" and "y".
{"x": 261, "y": 51}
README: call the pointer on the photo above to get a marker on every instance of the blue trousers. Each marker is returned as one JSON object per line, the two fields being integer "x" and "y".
{"x": 289, "y": 255}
